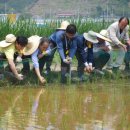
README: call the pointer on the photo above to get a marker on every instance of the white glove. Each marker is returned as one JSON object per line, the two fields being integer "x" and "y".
{"x": 48, "y": 52}
{"x": 19, "y": 59}
{"x": 69, "y": 59}
{"x": 66, "y": 61}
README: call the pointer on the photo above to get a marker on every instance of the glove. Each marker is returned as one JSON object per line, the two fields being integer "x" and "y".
{"x": 66, "y": 61}
{"x": 19, "y": 59}
{"x": 69, "y": 59}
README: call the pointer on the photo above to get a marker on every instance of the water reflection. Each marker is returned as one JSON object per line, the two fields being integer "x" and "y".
{"x": 65, "y": 109}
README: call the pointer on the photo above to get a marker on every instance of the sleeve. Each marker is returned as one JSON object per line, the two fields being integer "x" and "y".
{"x": 60, "y": 45}
{"x": 126, "y": 37}
{"x": 9, "y": 52}
{"x": 112, "y": 35}
{"x": 35, "y": 59}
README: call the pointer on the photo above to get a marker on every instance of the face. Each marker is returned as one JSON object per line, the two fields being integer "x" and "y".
{"x": 43, "y": 47}
{"x": 100, "y": 40}
{"x": 19, "y": 47}
{"x": 69, "y": 35}
{"x": 123, "y": 24}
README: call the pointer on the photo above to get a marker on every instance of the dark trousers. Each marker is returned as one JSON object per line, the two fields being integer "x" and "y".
{"x": 127, "y": 58}
{"x": 26, "y": 65}
{"x": 80, "y": 67}
{"x": 42, "y": 62}
{"x": 100, "y": 59}
{"x": 51, "y": 56}
{"x": 65, "y": 68}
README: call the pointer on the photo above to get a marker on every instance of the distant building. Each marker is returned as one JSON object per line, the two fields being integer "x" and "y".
{"x": 65, "y": 15}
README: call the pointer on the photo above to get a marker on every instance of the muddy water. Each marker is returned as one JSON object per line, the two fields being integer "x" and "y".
{"x": 64, "y": 109}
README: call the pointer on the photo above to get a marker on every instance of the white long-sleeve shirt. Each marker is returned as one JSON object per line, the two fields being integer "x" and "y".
{"x": 115, "y": 35}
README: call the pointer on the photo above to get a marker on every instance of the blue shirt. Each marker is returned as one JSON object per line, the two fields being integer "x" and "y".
{"x": 59, "y": 38}
{"x": 35, "y": 59}
{"x": 85, "y": 50}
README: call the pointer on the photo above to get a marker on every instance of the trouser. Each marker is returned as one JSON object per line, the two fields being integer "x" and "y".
{"x": 65, "y": 68}
{"x": 42, "y": 62}
{"x": 26, "y": 65}
{"x": 2, "y": 58}
{"x": 116, "y": 58}
{"x": 80, "y": 67}
{"x": 100, "y": 59}
{"x": 51, "y": 56}
{"x": 127, "y": 58}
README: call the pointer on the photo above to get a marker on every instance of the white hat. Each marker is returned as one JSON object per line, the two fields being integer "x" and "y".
{"x": 103, "y": 35}
{"x": 63, "y": 25}
{"x": 91, "y": 36}
{"x": 9, "y": 39}
{"x": 33, "y": 43}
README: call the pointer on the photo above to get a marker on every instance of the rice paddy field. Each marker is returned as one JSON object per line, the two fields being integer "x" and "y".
{"x": 100, "y": 103}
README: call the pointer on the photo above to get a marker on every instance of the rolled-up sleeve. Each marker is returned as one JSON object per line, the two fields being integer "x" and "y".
{"x": 35, "y": 59}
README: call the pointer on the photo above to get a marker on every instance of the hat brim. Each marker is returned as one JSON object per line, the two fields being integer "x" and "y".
{"x": 4, "y": 43}
{"x": 61, "y": 29}
{"x": 103, "y": 37}
{"x": 86, "y": 36}
{"x": 30, "y": 51}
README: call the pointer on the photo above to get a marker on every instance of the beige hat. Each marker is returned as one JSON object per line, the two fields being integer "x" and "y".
{"x": 33, "y": 43}
{"x": 103, "y": 35}
{"x": 9, "y": 39}
{"x": 91, "y": 36}
{"x": 63, "y": 25}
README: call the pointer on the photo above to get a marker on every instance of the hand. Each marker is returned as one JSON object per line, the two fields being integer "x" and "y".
{"x": 42, "y": 80}
{"x": 106, "y": 48}
{"x": 19, "y": 59}
{"x": 66, "y": 61}
{"x": 128, "y": 42}
{"x": 40, "y": 56}
{"x": 69, "y": 59}
{"x": 124, "y": 47}
{"x": 86, "y": 69}
{"x": 19, "y": 77}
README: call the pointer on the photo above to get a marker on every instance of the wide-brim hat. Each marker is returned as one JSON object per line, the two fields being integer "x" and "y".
{"x": 63, "y": 25}
{"x": 91, "y": 37}
{"x": 9, "y": 39}
{"x": 103, "y": 35}
{"x": 33, "y": 43}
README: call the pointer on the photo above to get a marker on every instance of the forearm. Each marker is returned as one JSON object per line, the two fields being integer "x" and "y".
{"x": 12, "y": 67}
{"x": 38, "y": 72}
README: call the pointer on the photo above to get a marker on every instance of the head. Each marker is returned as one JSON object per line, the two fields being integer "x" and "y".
{"x": 44, "y": 43}
{"x": 21, "y": 42}
{"x": 70, "y": 31}
{"x": 123, "y": 22}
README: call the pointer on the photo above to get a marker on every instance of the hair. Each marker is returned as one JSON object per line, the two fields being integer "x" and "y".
{"x": 43, "y": 40}
{"x": 22, "y": 41}
{"x": 71, "y": 29}
{"x": 124, "y": 18}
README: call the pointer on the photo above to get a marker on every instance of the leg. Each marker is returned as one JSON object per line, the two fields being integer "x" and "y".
{"x": 50, "y": 57}
{"x": 100, "y": 59}
{"x": 26, "y": 65}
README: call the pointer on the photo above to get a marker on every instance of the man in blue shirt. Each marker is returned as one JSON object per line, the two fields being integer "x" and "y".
{"x": 84, "y": 53}
{"x": 67, "y": 46}
{"x": 53, "y": 43}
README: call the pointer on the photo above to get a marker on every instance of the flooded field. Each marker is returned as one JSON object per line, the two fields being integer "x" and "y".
{"x": 65, "y": 108}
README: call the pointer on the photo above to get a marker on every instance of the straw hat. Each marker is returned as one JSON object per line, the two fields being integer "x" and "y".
{"x": 9, "y": 39}
{"x": 91, "y": 36}
{"x": 63, "y": 25}
{"x": 33, "y": 43}
{"x": 103, "y": 35}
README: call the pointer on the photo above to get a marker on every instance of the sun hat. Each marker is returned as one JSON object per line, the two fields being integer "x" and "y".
{"x": 103, "y": 35}
{"x": 9, "y": 39}
{"x": 91, "y": 36}
{"x": 63, "y": 25}
{"x": 33, "y": 43}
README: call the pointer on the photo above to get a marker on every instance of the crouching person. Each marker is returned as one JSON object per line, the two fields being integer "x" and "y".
{"x": 101, "y": 51}
{"x": 67, "y": 45}
{"x": 84, "y": 53}
{"x": 8, "y": 48}
{"x": 38, "y": 48}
